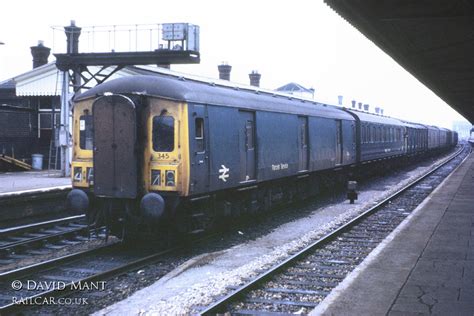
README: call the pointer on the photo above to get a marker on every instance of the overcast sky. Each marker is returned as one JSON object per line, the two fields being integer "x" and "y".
{"x": 300, "y": 41}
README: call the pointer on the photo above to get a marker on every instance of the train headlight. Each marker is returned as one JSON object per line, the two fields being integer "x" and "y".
{"x": 90, "y": 175}
{"x": 77, "y": 174}
{"x": 170, "y": 178}
{"x": 155, "y": 177}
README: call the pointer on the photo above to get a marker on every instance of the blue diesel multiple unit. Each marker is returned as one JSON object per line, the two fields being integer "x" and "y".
{"x": 164, "y": 152}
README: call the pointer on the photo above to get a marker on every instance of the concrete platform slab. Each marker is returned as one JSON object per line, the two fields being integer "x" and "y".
{"x": 425, "y": 267}
{"x": 28, "y": 181}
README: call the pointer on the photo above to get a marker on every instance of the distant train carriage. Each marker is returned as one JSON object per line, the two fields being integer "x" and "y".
{"x": 454, "y": 139}
{"x": 444, "y": 137}
{"x": 380, "y": 137}
{"x": 416, "y": 138}
{"x": 433, "y": 137}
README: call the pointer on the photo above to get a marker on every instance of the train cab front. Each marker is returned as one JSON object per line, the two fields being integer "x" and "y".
{"x": 82, "y": 169}
{"x": 165, "y": 168}
{"x": 126, "y": 162}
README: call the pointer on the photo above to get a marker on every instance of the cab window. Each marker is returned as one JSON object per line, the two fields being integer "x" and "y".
{"x": 163, "y": 133}
{"x": 86, "y": 132}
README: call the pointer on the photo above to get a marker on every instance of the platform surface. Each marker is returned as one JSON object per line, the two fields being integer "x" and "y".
{"x": 26, "y": 181}
{"x": 426, "y": 267}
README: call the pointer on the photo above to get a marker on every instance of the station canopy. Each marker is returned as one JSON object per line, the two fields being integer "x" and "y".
{"x": 432, "y": 39}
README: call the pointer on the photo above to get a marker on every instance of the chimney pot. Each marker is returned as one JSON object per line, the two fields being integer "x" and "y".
{"x": 360, "y": 105}
{"x": 255, "y": 78}
{"x": 40, "y": 54}
{"x": 366, "y": 107}
{"x": 224, "y": 71}
{"x": 339, "y": 99}
{"x": 353, "y": 103}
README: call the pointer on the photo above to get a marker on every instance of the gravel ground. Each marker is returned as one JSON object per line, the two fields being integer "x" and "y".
{"x": 246, "y": 249}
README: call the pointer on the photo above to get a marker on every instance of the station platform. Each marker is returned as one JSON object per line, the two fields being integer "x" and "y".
{"x": 14, "y": 183}
{"x": 425, "y": 267}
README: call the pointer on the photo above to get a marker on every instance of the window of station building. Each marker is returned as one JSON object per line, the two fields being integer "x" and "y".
{"x": 48, "y": 103}
{"x": 163, "y": 133}
{"x": 199, "y": 134}
{"x": 86, "y": 132}
{"x": 48, "y": 114}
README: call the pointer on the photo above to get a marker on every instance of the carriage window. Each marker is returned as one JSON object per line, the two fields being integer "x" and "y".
{"x": 86, "y": 132}
{"x": 199, "y": 136}
{"x": 163, "y": 133}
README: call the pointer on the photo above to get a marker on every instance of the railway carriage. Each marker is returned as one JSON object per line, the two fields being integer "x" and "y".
{"x": 433, "y": 137}
{"x": 444, "y": 137}
{"x": 416, "y": 138}
{"x": 151, "y": 149}
{"x": 380, "y": 137}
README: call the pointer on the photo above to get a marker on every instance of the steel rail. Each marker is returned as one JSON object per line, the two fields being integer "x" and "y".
{"x": 53, "y": 263}
{"x": 35, "y": 226}
{"x": 221, "y": 305}
{"x": 41, "y": 239}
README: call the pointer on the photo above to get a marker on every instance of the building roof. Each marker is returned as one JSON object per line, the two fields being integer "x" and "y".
{"x": 293, "y": 87}
{"x": 46, "y": 80}
{"x": 7, "y": 84}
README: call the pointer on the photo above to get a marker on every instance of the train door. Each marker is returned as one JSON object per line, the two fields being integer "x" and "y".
{"x": 247, "y": 145}
{"x": 115, "y": 159}
{"x": 338, "y": 142}
{"x": 200, "y": 149}
{"x": 303, "y": 142}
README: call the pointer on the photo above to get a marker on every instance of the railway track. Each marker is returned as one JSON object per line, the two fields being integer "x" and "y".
{"x": 301, "y": 282}
{"x": 87, "y": 270}
{"x": 40, "y": 238}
